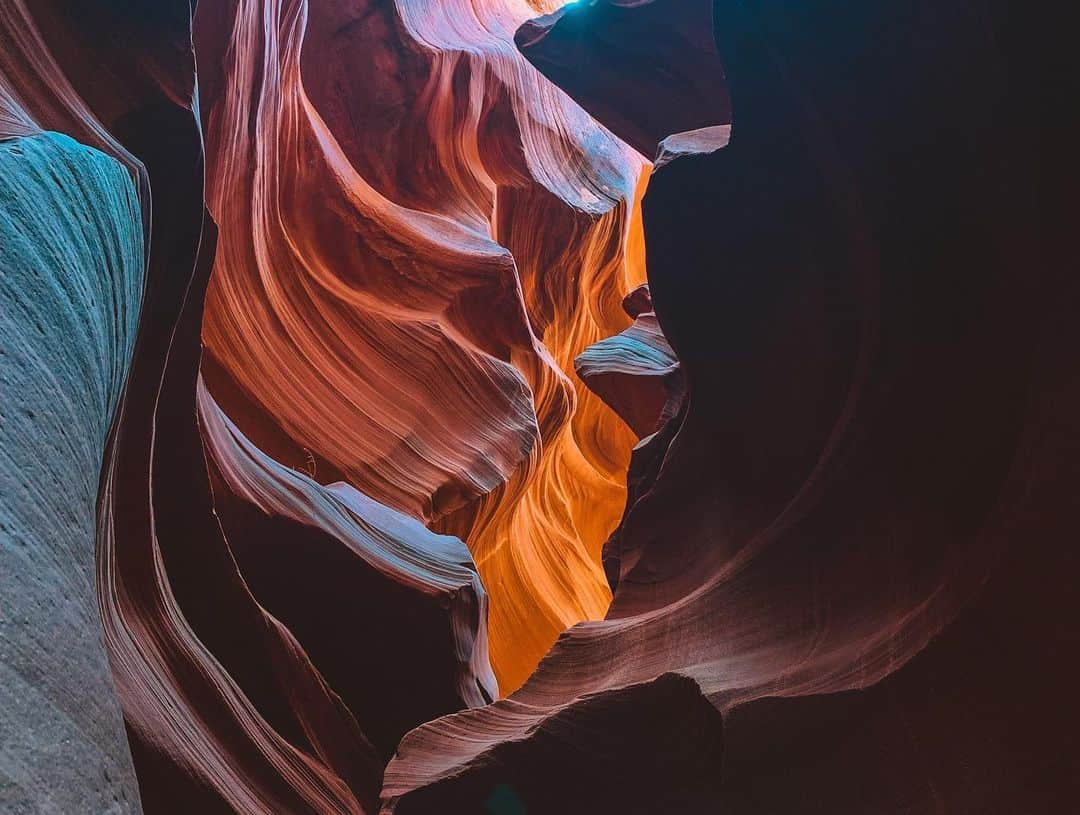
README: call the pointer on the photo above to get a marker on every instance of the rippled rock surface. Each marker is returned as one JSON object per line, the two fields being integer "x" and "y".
{"x": 71, "y": 263}
{"x": 505, "y": 406}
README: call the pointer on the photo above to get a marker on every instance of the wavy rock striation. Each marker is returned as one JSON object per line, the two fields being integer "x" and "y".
{"x": 71, "y": 262}
{"x": 72, "y": 215}
{"x": 607, "y": 751}
{"x": 328, "y": 559}
{"x": 385, "y": 304}
{"x": 861, "y": 449}
{"x": 635, "y": 371}
{"x": 206, "y": 735}
{"x": 330, "y": 356}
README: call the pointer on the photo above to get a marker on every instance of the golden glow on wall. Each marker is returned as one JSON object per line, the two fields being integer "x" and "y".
{"x": 406, "y": 308}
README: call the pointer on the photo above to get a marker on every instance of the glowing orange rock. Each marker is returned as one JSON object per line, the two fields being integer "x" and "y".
{"x": 409, "y": 315}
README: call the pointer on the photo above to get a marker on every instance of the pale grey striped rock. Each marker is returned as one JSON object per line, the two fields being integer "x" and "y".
{"x": 71, "y": 261}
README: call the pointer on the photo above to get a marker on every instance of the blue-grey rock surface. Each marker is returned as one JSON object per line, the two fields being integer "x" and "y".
{"x": 71, "y": 274}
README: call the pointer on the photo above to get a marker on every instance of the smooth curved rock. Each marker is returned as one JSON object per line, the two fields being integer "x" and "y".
{"x": 860, "y": 326}
{"x": 122, "y": 79}
{"x": 74, "y": 229}
{"x": 422, "y": 328}
{"x": 851, "y": 382}
{"x": 325, "y": 560}
{"x": 71, "y": 268}
{"x": 635, "y": 372}
{"x": 595, "y": 754}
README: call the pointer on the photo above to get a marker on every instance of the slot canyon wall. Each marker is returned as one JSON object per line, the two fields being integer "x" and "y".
{"x": 505, "y": 406}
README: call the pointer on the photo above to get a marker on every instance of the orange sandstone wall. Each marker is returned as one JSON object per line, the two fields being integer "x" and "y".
{"x": 418, "y": 235}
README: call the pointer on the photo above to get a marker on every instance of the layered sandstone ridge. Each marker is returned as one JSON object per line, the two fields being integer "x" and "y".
{"x": 399, "y": 306}
{"x": 71, "y": 276}
{"x": 69, "y": 301}
{"x": 868, "y": 447}
{"x": 352, "y": 463}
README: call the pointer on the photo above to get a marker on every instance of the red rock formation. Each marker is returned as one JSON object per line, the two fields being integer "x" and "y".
{"x": 384, "y": 297}
{"x": 329, "y": 559}
{"x": 861, "y": 336}
{"x": 635, "y": 372}
{"x": 224, "y": 709}
{"x": 649, "y": 747}
{"x": 828, "y": 577}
